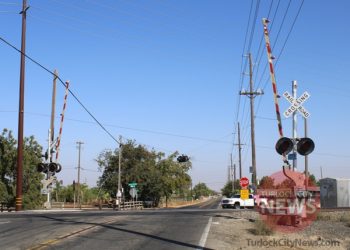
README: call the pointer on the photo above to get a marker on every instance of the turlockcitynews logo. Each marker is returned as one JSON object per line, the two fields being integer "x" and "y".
{"x": 288, "y": 202}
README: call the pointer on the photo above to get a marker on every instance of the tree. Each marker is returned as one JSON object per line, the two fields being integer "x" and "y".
{"x": 266, "y": 182}
{"x": 227, "y": 189}
{"x": 8, "y": 170}
{"x": 156, "y": 175}
{"x": 201, "y": 189}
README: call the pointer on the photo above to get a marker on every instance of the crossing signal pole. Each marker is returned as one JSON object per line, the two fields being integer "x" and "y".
{"x": 53, "y": 107}
{"x": 252, "y": 94}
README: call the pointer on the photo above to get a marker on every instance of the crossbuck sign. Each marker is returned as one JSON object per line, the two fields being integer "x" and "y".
{"x": 296, "y": 104}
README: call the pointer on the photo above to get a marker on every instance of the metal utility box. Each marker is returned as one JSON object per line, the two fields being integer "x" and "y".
{"x": 334, "y": 193}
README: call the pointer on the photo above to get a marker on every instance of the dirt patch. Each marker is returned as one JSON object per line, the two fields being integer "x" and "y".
{"x": 240, "y": 230}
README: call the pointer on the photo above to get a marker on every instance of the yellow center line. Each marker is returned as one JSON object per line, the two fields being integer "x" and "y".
{"x": 51, "y": 242}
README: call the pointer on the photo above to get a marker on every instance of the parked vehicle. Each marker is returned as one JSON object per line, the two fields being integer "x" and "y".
{"x": 236, "y": 202}
{"x": 148, "y": 202}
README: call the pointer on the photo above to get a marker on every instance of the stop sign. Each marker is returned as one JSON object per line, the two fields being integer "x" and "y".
{"x": 244, "y": 182}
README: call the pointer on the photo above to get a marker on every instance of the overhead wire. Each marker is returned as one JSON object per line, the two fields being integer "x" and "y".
{"x": 241, "y": 76}
{"x": 252, "y": 31}
{"x": 135, "y": 129}
{"x": 260, "y": 50}
{"x": 276, "y": 40}
{"x": 283, "y": 47}
{"x": 64, "y": 84}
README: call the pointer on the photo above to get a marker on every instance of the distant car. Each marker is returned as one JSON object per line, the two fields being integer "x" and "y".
{"x": 148, "y": 202}
{"x": 236, "y": 202}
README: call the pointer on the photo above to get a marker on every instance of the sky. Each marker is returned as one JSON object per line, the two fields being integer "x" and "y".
{"x": 167, "y": 74}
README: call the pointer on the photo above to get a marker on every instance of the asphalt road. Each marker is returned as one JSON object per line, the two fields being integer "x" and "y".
{"x": 184, "y": 228}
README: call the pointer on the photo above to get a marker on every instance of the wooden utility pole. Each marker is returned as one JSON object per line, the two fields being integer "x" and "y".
{"x": 251, "y": 94}
{"x": 78, "y": 189}
{"x": 239, "y": 151}
{"x": 234, "y": 175}
{"x": 19, "y": 182}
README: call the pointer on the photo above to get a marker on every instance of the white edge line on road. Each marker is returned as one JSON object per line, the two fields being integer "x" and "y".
{"x": 205, "y": 234}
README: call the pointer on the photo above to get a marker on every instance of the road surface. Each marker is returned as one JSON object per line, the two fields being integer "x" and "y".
{"x": 184, "y": 228}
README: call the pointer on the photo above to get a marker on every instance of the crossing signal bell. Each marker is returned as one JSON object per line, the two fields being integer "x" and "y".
{"x": 285, "y": 145}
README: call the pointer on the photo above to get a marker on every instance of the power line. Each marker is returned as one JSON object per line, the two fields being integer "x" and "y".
{"x": 254, "y": 24}
{"x": 249, "y": 47}
{"x": 284, "y": 44}
{"x": 8, "y": 3}
{"x": 260, "y": 50}
{"x": 133, "y": 129}
{"x": 275, "y": 42}
{"x": 290, "y": 31}
{"x": 64, "y": 84}
{"x": 241, "y": 76}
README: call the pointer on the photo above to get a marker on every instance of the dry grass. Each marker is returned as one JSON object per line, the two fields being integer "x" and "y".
{"x": 261, "y": 228}
{"x": 343, "y": 216}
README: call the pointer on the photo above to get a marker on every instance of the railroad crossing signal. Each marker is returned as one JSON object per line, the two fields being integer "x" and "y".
{"x": 285, "y": 145}
{"x": 51, "y": 167}
{"x": 296, "y": 104}
{"x": 183, "y": 158}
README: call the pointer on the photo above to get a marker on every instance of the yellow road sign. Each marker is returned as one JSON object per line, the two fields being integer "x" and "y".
{"x": 244, "y": 194}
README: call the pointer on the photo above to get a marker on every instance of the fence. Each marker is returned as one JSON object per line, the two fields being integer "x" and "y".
{"x": 131, "y": 205}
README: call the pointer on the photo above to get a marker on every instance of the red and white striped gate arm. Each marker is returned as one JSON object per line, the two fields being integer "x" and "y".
{"x": 62, "y": 119}
{"x": 272, "y": 74}
{"x": 273, "y": 80}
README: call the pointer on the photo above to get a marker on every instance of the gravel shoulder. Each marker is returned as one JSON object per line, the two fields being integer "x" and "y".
{"x": 234, "y": 230}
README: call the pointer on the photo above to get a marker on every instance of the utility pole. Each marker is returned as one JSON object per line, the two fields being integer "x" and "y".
{"x": 252, "y": 94}
{"x": 19, "y": 183}
{"x": 119, "y": 194}
{"x": 78, "y": 189}
{"x": 234, "y": 175}
{"x": 228, "y": 173}
{"x": 239, "y": 152}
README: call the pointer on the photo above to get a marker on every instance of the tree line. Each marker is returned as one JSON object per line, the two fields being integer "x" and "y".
{"x": 158, "y": 176}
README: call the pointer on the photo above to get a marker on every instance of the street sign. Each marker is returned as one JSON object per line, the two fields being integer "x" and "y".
{"x": 119, "y": 194}
{"x": 244, "y": 182}
{"x": 244, "y": 194}
{"x": 133, "y": 192}
{"x": 296, "y": 104}
{"x": 49, "y": 181}
{"x": 292, "y": 156}
{"x": 44, "y": 191}
{"x": 132, "y": 184}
